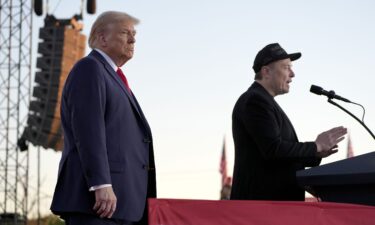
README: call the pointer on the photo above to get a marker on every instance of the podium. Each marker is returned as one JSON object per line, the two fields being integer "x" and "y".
{"x": 350, "y": 180}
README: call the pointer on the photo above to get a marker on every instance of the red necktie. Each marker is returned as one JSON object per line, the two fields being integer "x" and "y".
{"x": 123, "y": 78}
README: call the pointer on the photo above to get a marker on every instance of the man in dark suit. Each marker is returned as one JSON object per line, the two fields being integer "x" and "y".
{"x": 267, "y": 150}
{"x": 107, "y": 167}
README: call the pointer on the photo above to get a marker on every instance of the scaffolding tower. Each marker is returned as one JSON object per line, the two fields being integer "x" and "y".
{"x": 15, "y": 82}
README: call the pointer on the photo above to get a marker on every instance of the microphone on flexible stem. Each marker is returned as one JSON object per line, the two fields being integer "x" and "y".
{"x": 330, "y": 94}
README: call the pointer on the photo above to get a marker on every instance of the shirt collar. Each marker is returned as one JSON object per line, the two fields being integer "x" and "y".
{"x": 107, "y": 58}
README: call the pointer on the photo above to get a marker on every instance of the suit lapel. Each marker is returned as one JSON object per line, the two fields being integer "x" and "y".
{"x": 115, "y": 76}
{"x": 285, "y": 117}
{"x": 144, "y": 120}
{"x": 130, "y": 96}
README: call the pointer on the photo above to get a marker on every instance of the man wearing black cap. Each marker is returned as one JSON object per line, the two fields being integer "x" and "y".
{"x": 267, "y": 150}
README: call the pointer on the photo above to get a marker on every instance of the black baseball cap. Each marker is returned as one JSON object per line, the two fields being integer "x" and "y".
{"x": 271, "y": 53}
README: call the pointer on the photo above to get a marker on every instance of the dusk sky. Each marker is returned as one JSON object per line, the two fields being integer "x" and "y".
{"x": 193, "y": 59}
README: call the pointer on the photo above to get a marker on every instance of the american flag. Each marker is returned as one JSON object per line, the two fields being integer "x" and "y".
{"x": 223, "y": 165}
{"x": 349, "y": 150}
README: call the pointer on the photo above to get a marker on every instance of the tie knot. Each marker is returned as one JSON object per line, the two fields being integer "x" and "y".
{"x": 119, "y": 71}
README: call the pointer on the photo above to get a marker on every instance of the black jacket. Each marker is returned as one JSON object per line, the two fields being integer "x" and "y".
{"x": 267, "y": 151}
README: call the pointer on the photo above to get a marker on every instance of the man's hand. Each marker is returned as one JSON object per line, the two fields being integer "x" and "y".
{"x": 105, "y": 202}
{"x": 326, "y": 142}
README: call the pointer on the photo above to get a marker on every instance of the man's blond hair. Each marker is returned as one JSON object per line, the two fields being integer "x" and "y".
{"x": 107, "y": 18}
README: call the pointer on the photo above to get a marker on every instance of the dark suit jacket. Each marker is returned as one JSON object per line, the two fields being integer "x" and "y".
{"x": 267, "y": 151}
{"x": 107, "y": 140}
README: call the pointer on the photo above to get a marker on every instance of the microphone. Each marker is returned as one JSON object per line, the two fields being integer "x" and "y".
{"x": 330, "y": 94}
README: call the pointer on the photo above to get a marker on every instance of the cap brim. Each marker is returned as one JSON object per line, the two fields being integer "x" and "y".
{"x": 294, "y": 56}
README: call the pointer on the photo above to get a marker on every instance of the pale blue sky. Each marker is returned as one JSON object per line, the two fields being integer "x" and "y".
{"x": 193, "y": 59}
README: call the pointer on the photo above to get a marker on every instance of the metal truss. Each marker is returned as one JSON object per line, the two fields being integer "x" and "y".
{"x": 15, "y": 81}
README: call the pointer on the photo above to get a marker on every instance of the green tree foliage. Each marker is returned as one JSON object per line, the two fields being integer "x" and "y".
{"x": 47, "y": 220}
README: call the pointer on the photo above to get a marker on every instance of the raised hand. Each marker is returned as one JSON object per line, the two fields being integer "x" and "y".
{"x": 327, "y": 141}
